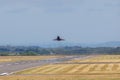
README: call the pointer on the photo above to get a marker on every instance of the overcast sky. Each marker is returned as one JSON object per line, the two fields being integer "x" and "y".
{"x": 79, "y": 21}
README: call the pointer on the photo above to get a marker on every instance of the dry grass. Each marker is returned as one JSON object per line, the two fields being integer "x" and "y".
{"x": 77, "y": 69}
{"x": 61, "y": 77}
{"x": 23, "y": 58}
{"x": 73, "y": 69}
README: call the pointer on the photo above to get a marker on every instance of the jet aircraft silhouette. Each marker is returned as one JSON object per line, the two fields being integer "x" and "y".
{"x": 59, "y": 39}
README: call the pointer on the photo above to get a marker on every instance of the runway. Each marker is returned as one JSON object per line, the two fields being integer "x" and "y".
{"x": 11, "y": 67}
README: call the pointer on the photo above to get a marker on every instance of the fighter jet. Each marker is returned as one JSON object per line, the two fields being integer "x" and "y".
{"x": 58, "y": 39}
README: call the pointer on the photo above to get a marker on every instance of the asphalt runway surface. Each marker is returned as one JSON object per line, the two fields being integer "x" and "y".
{"x": 11, "y": 67}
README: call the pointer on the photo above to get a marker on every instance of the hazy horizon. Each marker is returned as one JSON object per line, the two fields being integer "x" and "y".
{"x": 40, "y": 21}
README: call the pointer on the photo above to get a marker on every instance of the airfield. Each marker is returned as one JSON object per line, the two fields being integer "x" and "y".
{"x": 62, "y": 67}
{"x": 11, "y": 67}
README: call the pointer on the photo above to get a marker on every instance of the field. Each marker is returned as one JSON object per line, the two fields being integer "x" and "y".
{"x": 61, "y": 77}
{"x": 24, "y": 58}
{"x": 106, "y": 67}
{"x": 74, "y": 69}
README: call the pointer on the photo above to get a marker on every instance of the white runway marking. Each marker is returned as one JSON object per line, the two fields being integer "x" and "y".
{"x": 3, "y": 74}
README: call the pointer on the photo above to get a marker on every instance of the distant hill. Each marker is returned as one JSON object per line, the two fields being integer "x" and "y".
{"x": 63, "y": 44}
{"x": 108, "y": 44}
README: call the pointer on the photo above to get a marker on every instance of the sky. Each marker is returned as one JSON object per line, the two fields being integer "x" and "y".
{"x": 39, "y": 21}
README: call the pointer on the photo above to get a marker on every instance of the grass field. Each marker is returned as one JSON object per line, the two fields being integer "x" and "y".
{"x": 65, "y": 71}
{"x": 74, "y": 69}
{"x": 61, "y": 77}
{"x": 111, "y": 68}
{"x": 23, "y": 58}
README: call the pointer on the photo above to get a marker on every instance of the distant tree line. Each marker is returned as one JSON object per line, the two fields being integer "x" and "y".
{"x": 36, "y": 50}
